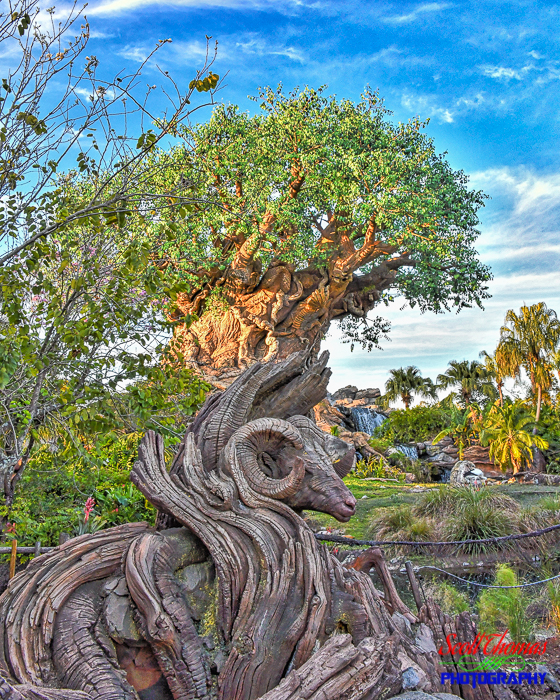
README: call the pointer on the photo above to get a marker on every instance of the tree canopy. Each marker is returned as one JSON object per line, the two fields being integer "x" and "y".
{"x": 325, "y": 207}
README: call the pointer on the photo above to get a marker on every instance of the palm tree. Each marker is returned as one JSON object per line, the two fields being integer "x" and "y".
{"x": 497, "y": 368}
{"x": 528, "y": 340}
{"x": 406, "y": 381}
{"x": 468, "y": 377}
{"x": 506, "y": 431}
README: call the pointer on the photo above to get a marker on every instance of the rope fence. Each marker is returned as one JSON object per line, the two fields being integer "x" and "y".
{"x": 487, "y": 585}
{"x": 339, "y": 539}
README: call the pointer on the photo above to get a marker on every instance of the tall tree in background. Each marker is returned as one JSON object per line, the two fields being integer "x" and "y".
{"x": 404, "y": 382}
{"x": 468, "y": 378}
{"x": 497, "y": 368}
{"x": 506, "y": 430}
{"x": 326, "y": 209}
{"x": 81, "y": 311}
{"x": 528, "y": 341}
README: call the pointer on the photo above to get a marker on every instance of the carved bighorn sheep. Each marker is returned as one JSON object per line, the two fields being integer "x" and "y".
{"x": 236, "y": 601}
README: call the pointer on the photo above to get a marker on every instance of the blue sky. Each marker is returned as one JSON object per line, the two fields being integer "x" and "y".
{"x": 486, "y": 73}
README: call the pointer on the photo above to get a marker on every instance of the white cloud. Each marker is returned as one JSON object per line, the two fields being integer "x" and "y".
{"x": 417, "y": 13}
{"x": 109, "y": 7}
{"x": 426, "y": 107}
{"x": 503, "y": 73}
{"x": 520, "y": 239}
{"x": 257, "y": 45}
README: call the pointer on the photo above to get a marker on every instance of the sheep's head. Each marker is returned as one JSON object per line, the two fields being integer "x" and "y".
{"x": 292, "y": 461}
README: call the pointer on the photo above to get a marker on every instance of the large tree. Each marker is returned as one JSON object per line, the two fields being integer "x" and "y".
{"x": 80, "y": 306}
{"x": 404, "y": 382}
{"x": 326, "y": 208}
{"x": 528, "y": 341}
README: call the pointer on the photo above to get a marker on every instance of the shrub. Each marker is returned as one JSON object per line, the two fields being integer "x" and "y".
{"x": 401, "y": 523}
{"x": 416, "y": 424}
{"x": 451, "y": 600}
{"x": 53, "y": 494}
{"x": 380, "y": 444}
{"x": 445, "y": 500}
{"x": 377, "y": 468}
{"x": 506, "y": 608}
{"x": 478, "y": 521}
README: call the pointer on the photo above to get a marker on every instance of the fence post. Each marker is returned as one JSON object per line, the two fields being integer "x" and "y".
{"x": 13, "y": 558}
{"x": 37, "y": 548}
{"x": 413, "y": 584}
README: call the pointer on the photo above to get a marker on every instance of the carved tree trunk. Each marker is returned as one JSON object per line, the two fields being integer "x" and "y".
{"x": 290, "y": 621}
{"x": 246, "y": 316}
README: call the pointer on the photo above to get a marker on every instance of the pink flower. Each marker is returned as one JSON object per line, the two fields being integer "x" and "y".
{"x": 88, "y": 507}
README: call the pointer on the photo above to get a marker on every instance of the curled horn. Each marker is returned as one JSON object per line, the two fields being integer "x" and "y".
{"x": 245, "y": 445}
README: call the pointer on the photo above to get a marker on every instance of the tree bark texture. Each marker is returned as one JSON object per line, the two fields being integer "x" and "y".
{"x": 247, "y": 314}
{"x": 239, "y": 601}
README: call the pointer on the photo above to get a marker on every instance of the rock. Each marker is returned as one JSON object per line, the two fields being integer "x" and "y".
{"x": 327, "y": 417}
{"x": 364, "y": 497}
{"x": 480, "y": 456}
{"x": 409, "y": 478}
{"x": 368, "y": 394}
{"x": 410, "y": 679}
{"x": 464, "y": 473}
{"x": 415, "y": 695}
{"x": 425, "y": 639}
{"x": 445, "y": 696}
{"x": 360, "y": 441}
{"x": 432, "y": 450}
{"x": 548, "y": 479}
{"x": 450, "y": 450}
{"x": 442, "y": 457}
{"x": 347, "y": 392}
{"x": 550, "y": 679}
{"x": 445, "y": 442}
{"x": 402, "y": 624}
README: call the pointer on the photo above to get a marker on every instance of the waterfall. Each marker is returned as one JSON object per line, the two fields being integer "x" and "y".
{"x": 366, "y": 420}
{"x": 409, "y": 451}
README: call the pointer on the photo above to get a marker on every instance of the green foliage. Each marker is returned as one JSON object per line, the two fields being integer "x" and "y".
{"x": 451, "y": 600}
{"x": 82, "y": 299}
{"x": 506, "y": 608}
{"x": 278, "y": 173}
{"x": 477, "y": 520}
{"x": 401, "y": 523}
{"x": 549, "y": 425}
{"x": 334, "y": 430}
{"x": 378, "y": 468}
{"x": 414, "y": 425}
{"x": 471, "y": 379}
{"x": 403, "y": 383}
{"x": 464, "y": 426}
{"x": 55, "y": 491}
{"x": 528, "y": 340}
{"x": 380, "y": 444}
{"x": 506, "y": 430}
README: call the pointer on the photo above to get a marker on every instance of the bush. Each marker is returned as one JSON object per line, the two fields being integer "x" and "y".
{"x": 416, "y": 424}
{"x": 450, "y": 599}
{"x": 506, "y": 608}
{"x": 377, "y": 468}
{"x": 400, "y": 523}
{"x": 446, "y": 500}
{"x": 478, "y": 521}
{"x": 380, "y": 444}
{"x": 53, "y": 493}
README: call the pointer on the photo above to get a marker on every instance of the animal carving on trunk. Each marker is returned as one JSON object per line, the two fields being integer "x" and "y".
{"x": 232, "y": 597}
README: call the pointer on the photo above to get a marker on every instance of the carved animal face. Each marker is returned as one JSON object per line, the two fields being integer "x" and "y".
{"x": 321, "y": 488}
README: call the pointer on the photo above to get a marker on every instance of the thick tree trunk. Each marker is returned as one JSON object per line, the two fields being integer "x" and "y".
{"x": 246, "y": 316}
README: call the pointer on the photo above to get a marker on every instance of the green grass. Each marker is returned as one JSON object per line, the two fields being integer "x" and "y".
{"x": 383, "y": 494}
